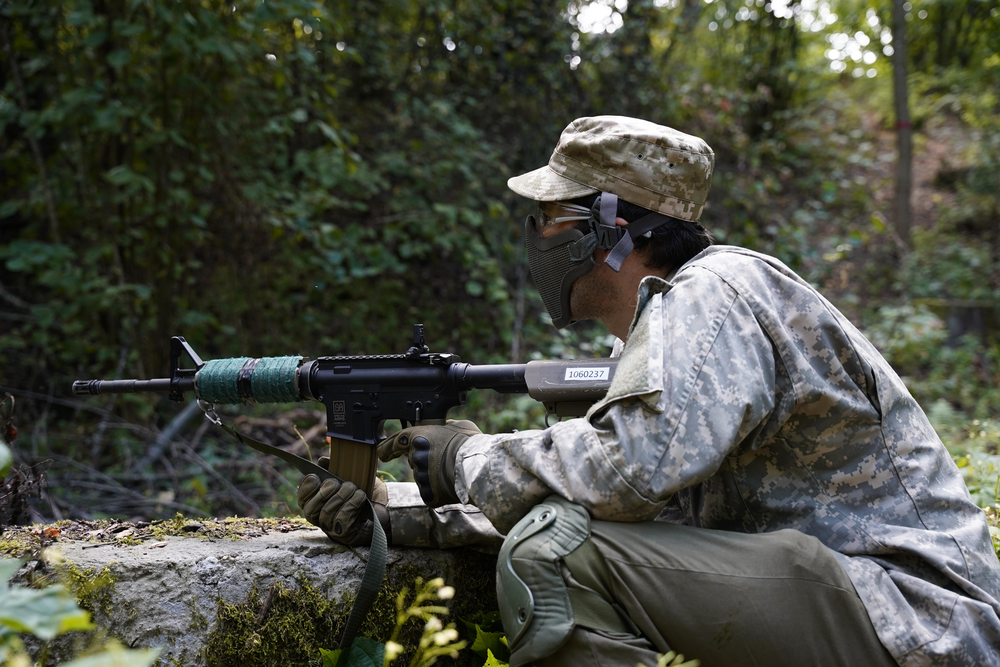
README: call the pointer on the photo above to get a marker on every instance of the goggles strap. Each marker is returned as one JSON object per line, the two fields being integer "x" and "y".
{"x": 609, "y": 209}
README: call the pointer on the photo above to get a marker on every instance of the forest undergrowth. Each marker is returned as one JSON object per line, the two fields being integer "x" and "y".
{"x": 313, "y": 178}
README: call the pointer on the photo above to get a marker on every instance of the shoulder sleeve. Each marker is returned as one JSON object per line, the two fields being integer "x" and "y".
{"x": 701, "y": 382}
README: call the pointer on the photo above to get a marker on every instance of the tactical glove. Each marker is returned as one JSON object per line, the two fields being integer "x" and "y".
{"x": 339, "y": 508}
{"x": 431, "y": 450}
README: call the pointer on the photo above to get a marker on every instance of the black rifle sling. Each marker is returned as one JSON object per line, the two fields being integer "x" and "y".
{"x": 371, "y": 581}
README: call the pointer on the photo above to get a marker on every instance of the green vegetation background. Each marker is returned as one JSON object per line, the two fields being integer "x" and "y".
{"x": 305, "y": 177}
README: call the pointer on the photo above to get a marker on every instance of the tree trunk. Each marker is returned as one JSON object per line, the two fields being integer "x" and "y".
{"x": 904, "y": 133}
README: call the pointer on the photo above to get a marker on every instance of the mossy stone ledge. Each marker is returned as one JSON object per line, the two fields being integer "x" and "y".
{"x": 267, "y": 597}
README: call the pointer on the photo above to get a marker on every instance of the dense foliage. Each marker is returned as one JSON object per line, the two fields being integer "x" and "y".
{"x": 303, "y": 177}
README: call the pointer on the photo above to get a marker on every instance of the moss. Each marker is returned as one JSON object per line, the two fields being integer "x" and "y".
{"x": 198, "y": 620}
{"x": 475, "y": 594}
{"x": 282, "y": 627}
{"x": 17, "y": 544}
{"x": 230, "y": 528}
{"x": 93, "y": 589}
{"x": 22, "y": 541}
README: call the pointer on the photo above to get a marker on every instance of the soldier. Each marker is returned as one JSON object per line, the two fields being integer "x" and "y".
{"x": 757, "y": 487}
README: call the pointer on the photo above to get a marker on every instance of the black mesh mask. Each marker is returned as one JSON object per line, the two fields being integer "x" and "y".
{"x": 555, "y": 263}
{"x": 558, "y": 261}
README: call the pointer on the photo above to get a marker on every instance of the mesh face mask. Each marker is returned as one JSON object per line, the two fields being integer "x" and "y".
{"x": 558, "y": 261}
{"x": 555, "y": 263}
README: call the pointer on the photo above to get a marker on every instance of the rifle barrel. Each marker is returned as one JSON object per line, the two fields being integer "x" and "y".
{"x": 99, "y": 387}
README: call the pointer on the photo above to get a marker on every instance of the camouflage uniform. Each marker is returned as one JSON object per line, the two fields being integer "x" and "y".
{"x": 413, "y": 524}
{"x": 744, "y": 401}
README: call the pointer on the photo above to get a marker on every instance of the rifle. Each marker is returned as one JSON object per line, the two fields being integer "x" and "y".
{"x": 361, "y": 393}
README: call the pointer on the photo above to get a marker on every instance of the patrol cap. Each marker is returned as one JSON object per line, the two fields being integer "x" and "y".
{"x": 649, "y": 165}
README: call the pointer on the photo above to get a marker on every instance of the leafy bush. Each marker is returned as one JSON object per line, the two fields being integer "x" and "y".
{"x": 46, "y": 614}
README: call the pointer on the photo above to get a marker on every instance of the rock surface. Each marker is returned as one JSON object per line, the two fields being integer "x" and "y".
{"x": 169, "y": 593}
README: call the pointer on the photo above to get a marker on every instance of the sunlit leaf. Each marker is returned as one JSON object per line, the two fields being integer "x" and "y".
{"x": 117, "y": 658}
{"x": 44, "y": 613}
{"x": 492, "y": 661}
{"x": 490, "y": 643}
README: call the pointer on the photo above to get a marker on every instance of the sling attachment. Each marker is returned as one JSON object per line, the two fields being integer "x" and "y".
{"x": 371, "y": 581}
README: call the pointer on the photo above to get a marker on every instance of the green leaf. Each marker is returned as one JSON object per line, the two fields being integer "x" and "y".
{"x": 8, "y": 567}
{"x": 9, "y": 208}
{"x": 123, "y": 176}
{"x": 96, "y": 38}
{"x": 81, "y": 17}
{"x": 6, "y": 459}
{"x": 491, "y": 661}
{"x": 364, "y": 653}
{"x": 119, "y": 58}
{"x": 118, "y": 658}
{"x": 490, "y": 619}
{"x": 487, "y": 643}
{"x": 329, "y": 657}
{"x": 44, "y": 613}
{"x": 330, "y": 133}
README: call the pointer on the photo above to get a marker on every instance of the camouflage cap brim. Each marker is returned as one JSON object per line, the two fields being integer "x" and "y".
{"x": 543, "y": 184}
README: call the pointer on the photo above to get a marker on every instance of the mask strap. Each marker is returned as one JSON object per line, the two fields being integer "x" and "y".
{"x": 620, "y": 252}
{"x": 624, "y": 246}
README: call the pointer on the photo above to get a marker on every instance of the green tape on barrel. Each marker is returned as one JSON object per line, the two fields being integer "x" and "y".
{"x": 273, "y": 380}
{"x": 216, "y": 381}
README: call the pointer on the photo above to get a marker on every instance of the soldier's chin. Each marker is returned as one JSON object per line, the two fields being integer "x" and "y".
{"x": 580, "y": 306}
{"x": 592, "y": 297}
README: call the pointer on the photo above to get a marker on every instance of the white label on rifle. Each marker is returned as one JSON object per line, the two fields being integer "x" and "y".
{"x": 588, "y": 374}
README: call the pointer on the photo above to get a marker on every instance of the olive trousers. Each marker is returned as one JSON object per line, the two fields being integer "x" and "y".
{"x": 723, "y": 598}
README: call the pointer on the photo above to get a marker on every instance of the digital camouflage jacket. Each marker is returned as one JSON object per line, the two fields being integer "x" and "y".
{"x": 745, "y": 401}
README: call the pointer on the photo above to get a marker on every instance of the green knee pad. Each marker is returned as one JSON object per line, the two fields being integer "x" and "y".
{"x": 535, "y": 606}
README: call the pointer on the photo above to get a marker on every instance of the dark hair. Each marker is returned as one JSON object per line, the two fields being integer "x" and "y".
{"x": 669, "y": 246}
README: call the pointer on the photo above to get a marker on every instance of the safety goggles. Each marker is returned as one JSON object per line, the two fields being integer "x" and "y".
{"x": 552, "y": 213}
